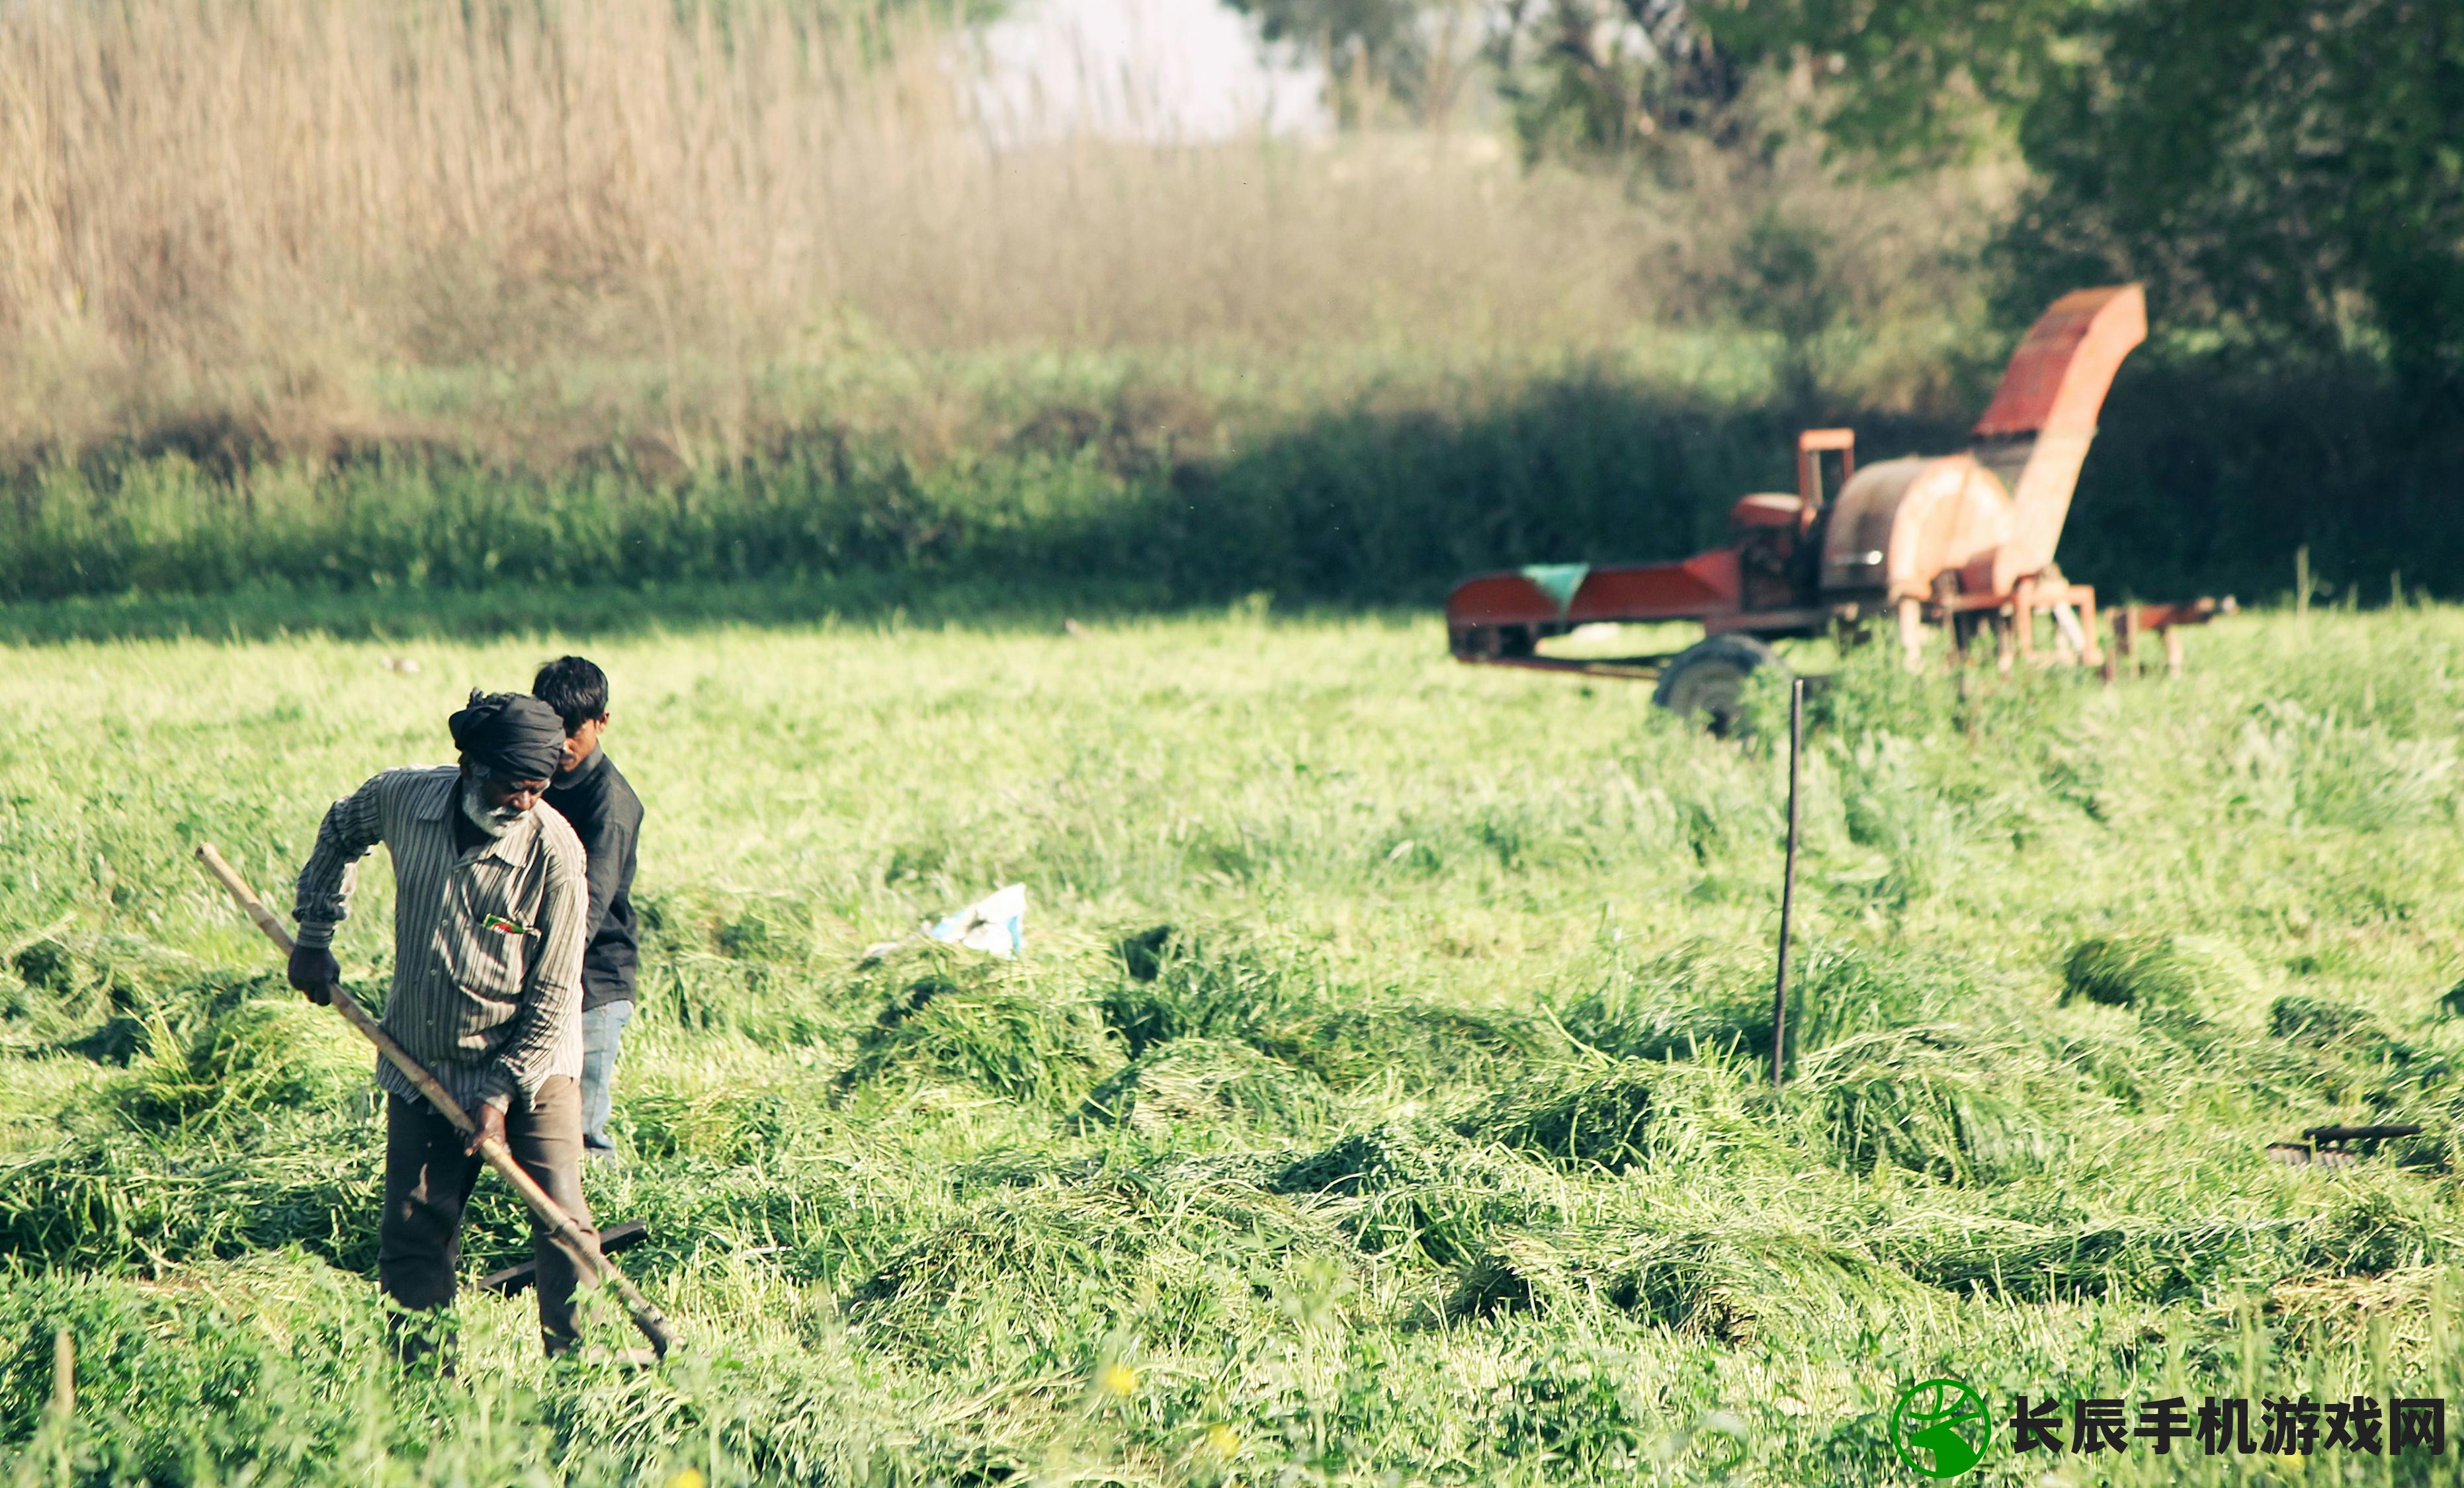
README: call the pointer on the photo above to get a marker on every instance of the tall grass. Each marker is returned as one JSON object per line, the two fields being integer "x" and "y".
{"x": 1382, "y": 1095}
{"x": 326, "y": 221}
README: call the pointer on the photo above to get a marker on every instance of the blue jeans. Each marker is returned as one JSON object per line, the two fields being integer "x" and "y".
{"x": 603, "y": 1036}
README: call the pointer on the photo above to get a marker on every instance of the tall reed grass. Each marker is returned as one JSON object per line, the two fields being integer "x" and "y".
{"x": 329, "y": 215}
{"x": 308, "y": 223}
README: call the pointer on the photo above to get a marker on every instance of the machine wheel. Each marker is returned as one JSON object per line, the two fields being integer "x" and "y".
{"x": 1709, "y": 677}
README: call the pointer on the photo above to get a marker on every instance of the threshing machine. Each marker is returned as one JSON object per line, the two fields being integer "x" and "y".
{"x": 1965, "y": 540}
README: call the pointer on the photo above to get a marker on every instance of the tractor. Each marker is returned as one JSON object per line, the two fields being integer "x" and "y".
{"x": 1962, "y": 540}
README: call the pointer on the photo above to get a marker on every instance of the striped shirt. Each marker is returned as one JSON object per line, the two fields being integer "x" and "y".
{"x": 486, "y": 967}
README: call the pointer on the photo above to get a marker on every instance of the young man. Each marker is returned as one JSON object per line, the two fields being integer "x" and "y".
{"x": 490, "y": 909}
{"x": 606, "y": 815}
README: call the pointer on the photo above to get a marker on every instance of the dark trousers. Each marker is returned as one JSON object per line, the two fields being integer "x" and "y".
{"x": 428, "y": 1181}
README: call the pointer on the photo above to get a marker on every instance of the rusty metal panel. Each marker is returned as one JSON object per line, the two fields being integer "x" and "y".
{"x": 1498, "y": 599}
{"x": 1809, "y": 467}
{"x": 1768, "y": 509}
{"x": 2052, "y": 390}
{"x": 1901, "y": 523}
{"x": 2057, "y": 379}
{"x": 1707, "y": 583}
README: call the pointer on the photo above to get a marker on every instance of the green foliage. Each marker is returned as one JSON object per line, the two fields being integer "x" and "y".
{"x": 1908, "y": 1099}
{"x": 1020, "y": 1035}
{"x": 2310, "y": 172}
{"x": 1575, "y": 1411}
{"x": 245, "y": 1060}
{"x": 1581, "y": 78}
{"x": 2204, "y": 480}
{"x": 2143, "y": 972}
{"x": 1205, "y": 1079}
{"x": 111, "y": 1201}
{"x": 2308, "y": 198}
{"x": 1573, "y": 1116}
{"x": 1222, "y": 985}
{"x": 1734, "y": 1281}
{"x": 1373, "y": 51}
{"x": 1783, "y": 280}
{"x": 1919, "y": 77}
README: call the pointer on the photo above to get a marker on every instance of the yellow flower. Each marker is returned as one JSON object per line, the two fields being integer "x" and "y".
{"x": 1223, "y": 1441}
{"x": 1118, "y": 1379}
{"x": 690, "y": 1477}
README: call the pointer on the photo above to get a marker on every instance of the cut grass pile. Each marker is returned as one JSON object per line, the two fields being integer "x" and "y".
{"x": 1383, "y": 1096}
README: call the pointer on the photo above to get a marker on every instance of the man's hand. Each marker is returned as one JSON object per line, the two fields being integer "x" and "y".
{"x": 313, "y": 971}
{"x": 491, "y": 1123}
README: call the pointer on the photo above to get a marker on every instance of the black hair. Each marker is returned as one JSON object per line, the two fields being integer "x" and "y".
{"x": 575, "y": 688}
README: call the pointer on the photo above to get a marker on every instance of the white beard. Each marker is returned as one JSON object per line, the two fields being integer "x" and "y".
{"x": 491, "y": 820}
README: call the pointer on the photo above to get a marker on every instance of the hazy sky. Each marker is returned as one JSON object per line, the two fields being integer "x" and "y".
{"x": 1152, "y": 69}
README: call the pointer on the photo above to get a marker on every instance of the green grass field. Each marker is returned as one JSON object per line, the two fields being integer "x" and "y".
{"x": 1381, "y": 1098}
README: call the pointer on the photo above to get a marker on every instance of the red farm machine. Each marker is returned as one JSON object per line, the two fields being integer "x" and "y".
{"x": 1963, "y": 540}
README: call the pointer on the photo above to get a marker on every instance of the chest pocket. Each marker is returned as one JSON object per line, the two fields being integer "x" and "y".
{"x": 485, "y": 961}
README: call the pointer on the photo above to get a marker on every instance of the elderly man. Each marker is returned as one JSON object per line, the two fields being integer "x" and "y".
{"x": 491, "y": 906}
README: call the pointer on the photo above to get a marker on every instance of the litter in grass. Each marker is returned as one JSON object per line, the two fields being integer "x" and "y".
{"x": 2332, "y": 1147}
{"x": 996, "y": 923}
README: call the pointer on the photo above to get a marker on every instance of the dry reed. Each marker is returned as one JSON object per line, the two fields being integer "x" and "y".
{"x": 319, "y": 223}
{"x": 320, "y": 217}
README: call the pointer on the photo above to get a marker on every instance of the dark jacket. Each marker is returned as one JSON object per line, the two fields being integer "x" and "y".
{"x": 607, "y": 817}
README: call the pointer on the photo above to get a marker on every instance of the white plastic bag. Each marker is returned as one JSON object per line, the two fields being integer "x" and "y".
{"x": 996, "y": 923}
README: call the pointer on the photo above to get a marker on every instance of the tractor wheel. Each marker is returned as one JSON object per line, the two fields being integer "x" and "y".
{"x": 1709, "y": 678}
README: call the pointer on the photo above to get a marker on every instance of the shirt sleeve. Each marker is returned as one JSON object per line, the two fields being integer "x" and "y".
{"x": 551, "y": 986}
{"x": 607, "y": 848}
{"x": 352, "y": 826}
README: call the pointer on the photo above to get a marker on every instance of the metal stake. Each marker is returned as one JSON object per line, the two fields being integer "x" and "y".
{"x": 1788, "y": 879}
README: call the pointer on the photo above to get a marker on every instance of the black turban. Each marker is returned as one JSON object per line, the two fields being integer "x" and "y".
{"x": 511, "y": 736}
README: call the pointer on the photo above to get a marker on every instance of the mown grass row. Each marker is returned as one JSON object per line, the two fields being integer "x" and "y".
{"x": 1384, "y": 1093}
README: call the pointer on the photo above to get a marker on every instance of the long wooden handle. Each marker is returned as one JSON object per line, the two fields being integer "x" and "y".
{"x": 560, "y": 1225}
{"x": 343, "y": 1002}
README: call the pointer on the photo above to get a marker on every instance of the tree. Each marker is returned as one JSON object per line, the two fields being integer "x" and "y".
{"x": 2289, "y": 174}
{"x": 2289, "y": 171}
{"x": 1402, "y": 50}
{"x": 1599, "y": 76}
{"x": 1913, "y": 80}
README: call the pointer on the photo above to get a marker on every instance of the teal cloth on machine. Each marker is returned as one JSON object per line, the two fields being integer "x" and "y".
{"x": 1558, "y": 581}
